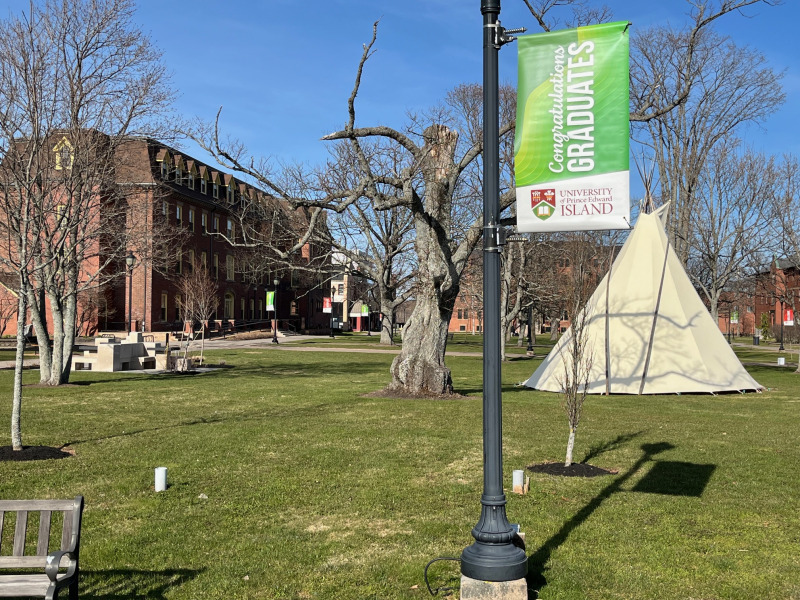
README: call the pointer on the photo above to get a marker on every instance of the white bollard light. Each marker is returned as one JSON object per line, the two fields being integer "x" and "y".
{"x": 161, "y": 479}
{"x": 518, "y": 481}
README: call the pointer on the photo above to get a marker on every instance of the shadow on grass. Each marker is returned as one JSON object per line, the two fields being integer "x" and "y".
{"x": 683, "y": 479}
{"x": 122, "y": 584}
{"x": 197, "y": 421}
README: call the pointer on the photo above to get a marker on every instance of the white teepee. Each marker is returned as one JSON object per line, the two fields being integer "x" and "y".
{"x": 647, "y": 329}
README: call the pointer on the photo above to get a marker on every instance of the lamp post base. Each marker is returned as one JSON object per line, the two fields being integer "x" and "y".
{"x": 497, "y": 563}
{"x": 476, "y": 589}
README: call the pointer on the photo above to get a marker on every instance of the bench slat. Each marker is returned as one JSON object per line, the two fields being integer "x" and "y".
{"x": 44, "y": 533}
{"x": 2, "y": 520}
{"x": 34, "y": 505}
{"x": 66, "y": 533}
{"x": 12, "y": 586}
{"x": 19, "y": 532}
{"x": 22, "y": 562}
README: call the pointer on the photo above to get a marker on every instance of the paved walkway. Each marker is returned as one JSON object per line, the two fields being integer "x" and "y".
{"x": 289, "y": 344}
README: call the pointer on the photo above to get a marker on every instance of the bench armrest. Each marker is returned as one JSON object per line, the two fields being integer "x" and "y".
{"x": 54, "y": 561}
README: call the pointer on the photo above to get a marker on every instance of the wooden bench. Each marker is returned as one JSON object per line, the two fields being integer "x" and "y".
{"x": 60, "y": 566}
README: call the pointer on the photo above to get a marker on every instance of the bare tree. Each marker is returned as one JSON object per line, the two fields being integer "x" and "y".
{"x": 98, "y": 80}
{"x": 577, "y": 355}
{"x": 724, "y": 87}
{"x": 197, "y": 301}
{"x": 379, "y": 243}
{"x": 732, "y": 225}
{"x": 439, "y": 185}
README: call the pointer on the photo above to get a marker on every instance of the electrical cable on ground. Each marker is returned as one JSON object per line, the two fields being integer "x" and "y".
{"x": 439, "y": 589}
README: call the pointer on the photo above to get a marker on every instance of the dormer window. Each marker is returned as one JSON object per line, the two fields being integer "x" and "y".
{"x": 230, "y": 193}
{"x": 64, "y": 154}
{"x": 178, "y": 174}
{"x": 190, "y": 182}
{"x": 216, "y": 190}
{"x": 203, "y": 189}
{"x": 164, "y": 170}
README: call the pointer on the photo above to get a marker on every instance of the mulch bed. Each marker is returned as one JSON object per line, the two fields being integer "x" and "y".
{"x": 574, "y": 470}
{"x": 7, "y": 453}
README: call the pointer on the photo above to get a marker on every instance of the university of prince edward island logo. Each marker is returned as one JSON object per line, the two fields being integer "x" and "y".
{"x": 543, "y": 203}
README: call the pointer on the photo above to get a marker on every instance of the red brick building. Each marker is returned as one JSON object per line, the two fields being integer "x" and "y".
{"x": 196, "y": 203}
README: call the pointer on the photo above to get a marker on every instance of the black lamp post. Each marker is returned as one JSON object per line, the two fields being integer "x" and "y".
{"x": 333, "y": 293}
{"x": 130, "y": 260}
{"x": 494, "y": 556}
{"x": 782, "y": 319}
{"x": 275, "y": 282}
{"x": 530, "y": 329}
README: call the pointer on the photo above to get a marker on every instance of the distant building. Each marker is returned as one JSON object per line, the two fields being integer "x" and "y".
{"x": 197, "y": 201}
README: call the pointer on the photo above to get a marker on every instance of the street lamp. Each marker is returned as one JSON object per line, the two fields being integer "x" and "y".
{"x": 275, "y": 282}
{"x": 782, "y": 320}
{"x": 130, "y": 260}
{"x": 333, "y": 293}
{"x": 496, "y": 554}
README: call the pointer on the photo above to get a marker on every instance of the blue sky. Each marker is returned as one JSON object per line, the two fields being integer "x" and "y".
{"x": 282, "y": 71}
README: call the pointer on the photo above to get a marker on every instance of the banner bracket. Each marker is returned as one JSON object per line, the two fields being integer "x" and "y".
{"x": 503, "y": 36}
{"x": 494, "y": 238}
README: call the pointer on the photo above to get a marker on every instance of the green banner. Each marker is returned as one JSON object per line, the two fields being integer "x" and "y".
{"x": 270, "y": 300}
{"x": 571, "y": 151}
{"x": 364, "y": 310}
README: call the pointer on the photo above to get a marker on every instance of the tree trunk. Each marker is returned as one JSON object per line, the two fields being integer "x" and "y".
{"x": 554, "y": 325}
{"x": 419, "y": 369}
{"x": 387, "y": 312}
{"x": 570, "y": 446}
{"x": 42, "y": 336}
{"x": 16, "y": 403}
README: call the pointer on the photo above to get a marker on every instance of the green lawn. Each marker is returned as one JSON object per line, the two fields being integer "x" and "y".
{"x": 314, "y": 491}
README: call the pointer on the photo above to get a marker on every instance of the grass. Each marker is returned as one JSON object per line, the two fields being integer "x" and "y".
{"x": 315, "y": 491}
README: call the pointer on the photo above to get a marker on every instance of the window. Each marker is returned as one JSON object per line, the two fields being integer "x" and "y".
{"x": 164, "y": 208}
{"x": 178, "y": 303}
{"x": 260, "y": 309}
{"x": 191, "y": 219}
{"x": 241, "y": 308}
{"x": 229, "y": 229}
{"x": 230, "y": 192}
{"x": 204, "y": 223}
{"x": 229, "y": 268}
{"x": 203, "y": 185}
{"x": 252, "y": 309}
{"x": 216, "y": 225}
{"x": 179, "y": 261}
{"x": 462, "y": 327}
{"x": 179, "y": 214}
{"x": 228, "y": 310}
{"x": 190, "y": 261}
{"x": 178, "y": 174}
{"x": 460, "y": 314}
{"x": 204, "y": 259}
{"x": 216, "y": 266}
{"x": 64, "y": 155}
{"x": 164, "y": 169}
{"x": 163, "y": 306}
{"x": 215, "y": 190}
{"x": 466, "y": 313}
{"x": 190, "y": 183}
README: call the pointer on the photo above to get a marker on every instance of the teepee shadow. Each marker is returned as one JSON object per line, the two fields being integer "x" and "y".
{"x": 537, "y": 562}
